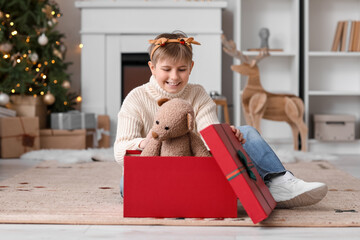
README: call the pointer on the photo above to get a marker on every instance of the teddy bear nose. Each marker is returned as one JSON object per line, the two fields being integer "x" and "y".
{"x": 155, "y": 135}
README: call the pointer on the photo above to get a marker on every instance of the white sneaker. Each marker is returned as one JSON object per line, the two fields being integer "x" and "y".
{"x": 289, "y": 191}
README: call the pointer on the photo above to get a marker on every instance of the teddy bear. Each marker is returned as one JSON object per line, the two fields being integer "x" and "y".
{"x": 172, "y": 132}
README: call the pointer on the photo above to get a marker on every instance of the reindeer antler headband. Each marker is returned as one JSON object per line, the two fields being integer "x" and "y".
{"x": 163, "y": 41}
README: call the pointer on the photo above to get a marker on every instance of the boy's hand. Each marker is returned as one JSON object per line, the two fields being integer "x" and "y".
{"x": 238, "y": 134}
{"x": 145, "y": 141}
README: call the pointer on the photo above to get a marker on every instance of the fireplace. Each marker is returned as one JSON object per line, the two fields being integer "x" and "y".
{"x": 116, "y": 32}
{"x": 134, "y": 71}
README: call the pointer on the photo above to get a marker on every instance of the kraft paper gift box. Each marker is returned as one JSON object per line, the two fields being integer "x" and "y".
{"x": 18, "y": 135}
{"x": 176, "y": 187}
{"x": 73, "y": 120}
{"x": 28, "y": 106}
{"x": 62, "y": 139}
{"x": 103, "y": 123}
{"x": 100, "y": 137}
{"x": 239, "y": 170}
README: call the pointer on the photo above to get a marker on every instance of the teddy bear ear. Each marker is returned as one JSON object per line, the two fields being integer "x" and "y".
{"x": 190, "y": 121}
{"x": 162, "y": 101}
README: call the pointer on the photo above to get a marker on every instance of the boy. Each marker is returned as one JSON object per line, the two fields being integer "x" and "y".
{"x": 171, "y": 64}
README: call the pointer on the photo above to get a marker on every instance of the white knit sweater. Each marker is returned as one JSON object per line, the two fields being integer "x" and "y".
{"x": 137, "y": 112}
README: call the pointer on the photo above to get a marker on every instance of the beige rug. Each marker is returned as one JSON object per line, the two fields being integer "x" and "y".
{"x": 88, "y": 193}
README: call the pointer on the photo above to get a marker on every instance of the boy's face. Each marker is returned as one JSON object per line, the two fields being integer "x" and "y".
{"x": 172, "y": 77}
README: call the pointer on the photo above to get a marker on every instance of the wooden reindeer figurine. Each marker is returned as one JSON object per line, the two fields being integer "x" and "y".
{"x": 258, "y": 103}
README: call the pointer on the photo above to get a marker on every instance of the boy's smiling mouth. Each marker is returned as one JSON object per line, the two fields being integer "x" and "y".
{"x": 173, "y": 83}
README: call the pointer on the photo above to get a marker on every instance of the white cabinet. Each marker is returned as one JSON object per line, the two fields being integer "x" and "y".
{"x": 332, "y": 79}
{"x": 279, "y": 73}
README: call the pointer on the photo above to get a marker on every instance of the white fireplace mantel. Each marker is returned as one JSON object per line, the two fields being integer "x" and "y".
{"x": 110, "y": 28}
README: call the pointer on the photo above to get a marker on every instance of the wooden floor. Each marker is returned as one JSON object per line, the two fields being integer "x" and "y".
{"x": 8, "y": 168}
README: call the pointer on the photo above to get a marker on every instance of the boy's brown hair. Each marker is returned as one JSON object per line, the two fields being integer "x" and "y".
{"x": 173, "y": 51}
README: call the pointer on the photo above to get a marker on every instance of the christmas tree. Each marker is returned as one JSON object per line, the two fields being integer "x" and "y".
{"x": 32, "y": 53}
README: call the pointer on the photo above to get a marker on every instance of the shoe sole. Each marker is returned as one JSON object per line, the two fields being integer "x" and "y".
{"x": 304, "y": 199}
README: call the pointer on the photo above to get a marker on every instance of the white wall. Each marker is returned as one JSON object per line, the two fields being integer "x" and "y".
{"x": 69, "y": 24}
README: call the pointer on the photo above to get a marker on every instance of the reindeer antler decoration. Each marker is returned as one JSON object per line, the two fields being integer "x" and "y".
{"x": 258, "y": 103}
{"x": 229, "y": 47}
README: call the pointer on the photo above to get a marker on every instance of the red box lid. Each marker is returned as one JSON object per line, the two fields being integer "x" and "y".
{"x": 239, "y": 170}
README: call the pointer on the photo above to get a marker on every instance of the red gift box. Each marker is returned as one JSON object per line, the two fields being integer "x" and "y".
{"x": 239, "y": 171}
{"x": 176, "y": 187}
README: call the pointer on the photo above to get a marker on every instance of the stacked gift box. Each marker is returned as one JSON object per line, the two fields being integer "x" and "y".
{"x": 22, "y": 132}
{"x": 76, "y": 130}
{"x": 20, "y": 122}
{"x": 18, "y": 135}
{"x": 28, "y": 106}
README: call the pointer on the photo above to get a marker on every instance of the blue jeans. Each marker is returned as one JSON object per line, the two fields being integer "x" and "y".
{"x": 265, "y": 160}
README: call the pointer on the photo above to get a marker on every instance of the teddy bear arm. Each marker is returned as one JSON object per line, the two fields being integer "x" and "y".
{"x": 152, "y": 148}
{"x": 198, "y": 147}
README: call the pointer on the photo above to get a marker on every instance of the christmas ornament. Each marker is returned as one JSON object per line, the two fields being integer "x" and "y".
{"x": 4, "y": 99}
{"x": 50, "y": 23}
{"x": 57, "y": 53}
{"x": 54, "y": 20}
{"x": 47, "y": 10}
{"x": 40, "y": 30}
{"x": 66, "y": 84}
{"x": 34, "y": 57}
{"x": 62, "y": 48}
{"x": 43, "y": 40}
{"x": 6, "y": 47}
{"x": 49, "y": 99}
{"x": 15, "y": 58}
